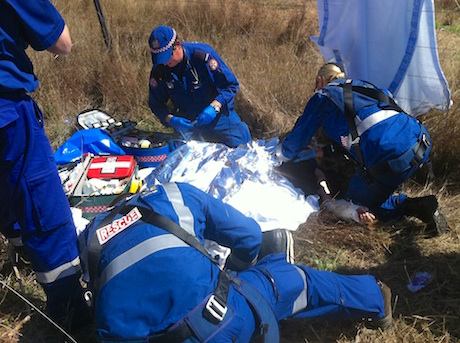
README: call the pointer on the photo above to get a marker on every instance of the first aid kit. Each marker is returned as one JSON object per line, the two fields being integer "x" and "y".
{"x": 100, "y": 180}
{"x": 111, "y": 167}
{"x": 149, "y": 148}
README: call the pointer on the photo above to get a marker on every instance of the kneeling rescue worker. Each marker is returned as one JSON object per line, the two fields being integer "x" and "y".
{"x": 387, "y": 144}
{"x": 153, "y": 281}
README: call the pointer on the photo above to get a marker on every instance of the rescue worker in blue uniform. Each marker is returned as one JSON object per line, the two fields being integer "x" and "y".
{"x": 387, "y": 144}
{"x": 200, "y": 88}
{"x": 33, "y": 206}
{"x": 154, "y": 284}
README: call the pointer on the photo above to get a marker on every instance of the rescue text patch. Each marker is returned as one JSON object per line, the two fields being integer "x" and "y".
{"x": 109, "y": 231}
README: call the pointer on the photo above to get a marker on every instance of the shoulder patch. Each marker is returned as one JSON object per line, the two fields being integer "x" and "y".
{"x": 153, "y": 83}
{"x": 213, "y": 64}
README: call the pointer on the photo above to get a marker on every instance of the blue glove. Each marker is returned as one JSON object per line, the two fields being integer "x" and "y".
{"x": 180, "y": 124}
{"x": 207, "y": 116}
{"x": 305, "y": 155}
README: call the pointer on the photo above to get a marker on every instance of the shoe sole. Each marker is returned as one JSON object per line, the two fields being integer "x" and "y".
{"x": 438, "y": 224}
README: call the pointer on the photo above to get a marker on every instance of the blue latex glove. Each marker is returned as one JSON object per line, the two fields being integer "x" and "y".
{"x": 180, "y": 124}
{"x": 207, "y": 116}
{"x": 305, "y": 155}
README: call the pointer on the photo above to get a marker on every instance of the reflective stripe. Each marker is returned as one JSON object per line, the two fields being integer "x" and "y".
{"x": 183, "y": 212}
{"x": 64, "y": 270}
{"x": 137, "y": 253}
{"x": 290, "y": 247}
{"x": 375, "y": 118}
{"x": 301, "y": 302}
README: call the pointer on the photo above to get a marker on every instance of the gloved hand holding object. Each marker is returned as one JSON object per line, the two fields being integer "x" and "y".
{"x": 180, "y": 124}
{"x": 207, "y": 116}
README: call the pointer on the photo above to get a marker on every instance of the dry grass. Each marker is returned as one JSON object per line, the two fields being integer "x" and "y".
{"x": 267, "y": 45}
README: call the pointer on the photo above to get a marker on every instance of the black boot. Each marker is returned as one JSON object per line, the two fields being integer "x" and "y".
{"x": 426, "y": 209}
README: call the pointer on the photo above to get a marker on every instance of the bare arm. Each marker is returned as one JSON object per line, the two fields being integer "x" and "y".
{"x": 64, "y": 43}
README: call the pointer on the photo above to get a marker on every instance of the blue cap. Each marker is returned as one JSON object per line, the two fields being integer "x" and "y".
{"x": 161, "y": 42}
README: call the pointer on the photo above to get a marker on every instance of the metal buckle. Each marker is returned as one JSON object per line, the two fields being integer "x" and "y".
{"x": 426, "y": 141}
{"x": 216, "y": 309}
{"x": 356, "y": 140}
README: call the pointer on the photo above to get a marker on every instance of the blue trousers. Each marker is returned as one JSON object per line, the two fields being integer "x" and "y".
{"x": 228, "y": 130}
{"x": 296, "y": 291}
{"x": 33, "y": 198}
{"x": 376, "y": 191}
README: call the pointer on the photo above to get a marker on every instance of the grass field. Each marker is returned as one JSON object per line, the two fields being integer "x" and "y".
{"x": 267, "y": 45}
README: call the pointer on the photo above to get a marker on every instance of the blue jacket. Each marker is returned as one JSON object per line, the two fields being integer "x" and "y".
{"x": 193, "y": 84}
{"x": 39, "y": 25}
{"x": 149, "y": 278}
{"x": 392, "y": 135}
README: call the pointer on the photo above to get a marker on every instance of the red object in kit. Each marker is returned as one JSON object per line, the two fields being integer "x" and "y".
{"x": 111, "y": 167}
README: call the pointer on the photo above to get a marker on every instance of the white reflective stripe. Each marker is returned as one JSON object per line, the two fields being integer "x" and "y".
{"x": 67, "y": 269}
{"x": 375, "y": 118}
{"x": 137, "y": 253}
{"x": 183, "y": 212}
{"x": 301, "y": 302}
{"x": 290, "y": 247}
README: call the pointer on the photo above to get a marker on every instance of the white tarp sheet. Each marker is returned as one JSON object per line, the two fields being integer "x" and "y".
{"x": 390, "y": 43}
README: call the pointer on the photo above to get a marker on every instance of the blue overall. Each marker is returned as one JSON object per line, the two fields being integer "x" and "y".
{"x": 33, "y": 200}
{"x": 149, "y": 279}
{"x": 192, "y": 85}
{"x": 388, "y": 139}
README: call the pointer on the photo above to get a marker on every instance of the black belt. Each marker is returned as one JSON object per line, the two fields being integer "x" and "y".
{"x": 14, "y": 95}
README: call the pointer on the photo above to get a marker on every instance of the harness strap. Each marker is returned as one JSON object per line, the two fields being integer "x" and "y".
{"x": 411, "y": 158}
{"x": 350, "y": 116}
{"x": 215, "y": 309}
{"x": 95, "y": 248}
{"x": 377, "y": 95}
{"x": 180, "y": 333}
{"x": 266, "y": 320}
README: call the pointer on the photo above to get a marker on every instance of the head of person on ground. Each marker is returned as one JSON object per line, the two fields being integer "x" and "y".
{"x": 192, "y": 90}
{"x": 34, "y": 209}
{"x": 156, "y": 238}
{"x": 386, "y": 144}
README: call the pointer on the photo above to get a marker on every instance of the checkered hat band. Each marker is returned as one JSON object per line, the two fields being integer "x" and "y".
{"x": 167, "y": 46}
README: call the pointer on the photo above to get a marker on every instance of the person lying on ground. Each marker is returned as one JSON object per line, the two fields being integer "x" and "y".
{"x": 153, "y": 281}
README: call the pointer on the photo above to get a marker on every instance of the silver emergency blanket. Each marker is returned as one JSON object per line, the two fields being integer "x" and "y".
{"x": 243, "y": 177}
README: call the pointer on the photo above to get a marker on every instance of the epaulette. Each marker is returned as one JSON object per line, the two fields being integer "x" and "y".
{"x": 200, "y": 55}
